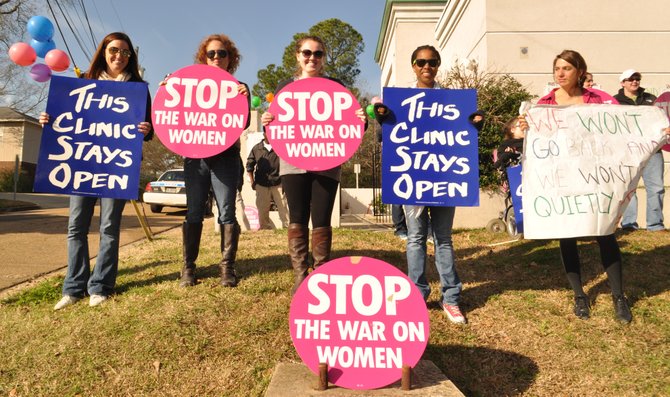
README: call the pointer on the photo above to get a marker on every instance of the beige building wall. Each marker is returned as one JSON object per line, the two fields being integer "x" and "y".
{"x": 521, "y": 38}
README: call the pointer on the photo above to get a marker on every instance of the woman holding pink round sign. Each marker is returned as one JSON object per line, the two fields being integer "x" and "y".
{"x": 308, "y": 193}
{"x": 220, "y": 173}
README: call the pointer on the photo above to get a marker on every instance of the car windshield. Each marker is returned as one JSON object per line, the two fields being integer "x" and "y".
{"x": 172, "y": 176}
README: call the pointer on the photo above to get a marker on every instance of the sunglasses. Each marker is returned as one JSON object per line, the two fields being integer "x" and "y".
{"x": 632, "y": 79}
{"x": 115, "y": 51}
{"x": 308, "y": 53}
{"x": 212, "y": 53}
{"x": 433, "y": 63}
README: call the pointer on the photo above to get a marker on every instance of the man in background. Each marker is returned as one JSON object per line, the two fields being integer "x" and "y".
{"x": 632, "y": 94}
{"x": 263, "y": 170}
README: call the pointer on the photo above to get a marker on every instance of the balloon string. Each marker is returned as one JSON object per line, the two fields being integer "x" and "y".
{"x": 77, "y": 71}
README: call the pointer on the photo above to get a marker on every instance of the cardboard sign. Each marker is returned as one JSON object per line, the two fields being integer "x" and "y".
{"x": 581, "y": 163}
{"x": 91, "y": 146}
{"x": 663, "y": 102}
{"x": 315, "y": 126}
{"x": 514, "y": 178}
{"x": 198, "y": 113}
{"x": 361, "y": 316}
{"x": 429, "y": 148}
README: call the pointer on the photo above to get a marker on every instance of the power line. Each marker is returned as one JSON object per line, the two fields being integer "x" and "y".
{"x": 83, "y": 7}
{"x": 76, "y": 36}
{"x": 62, "y": 36}
{"x": 117, "y": 16}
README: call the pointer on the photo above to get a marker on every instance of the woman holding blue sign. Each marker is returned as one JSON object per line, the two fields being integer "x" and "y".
{"x": 308, "y": 193}
{"x": 115, "y": 59}
{"x": 221, "y": 173}
{"x": 425, "y": 61}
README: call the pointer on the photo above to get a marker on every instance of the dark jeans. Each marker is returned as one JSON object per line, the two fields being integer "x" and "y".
{"x": 219, "y": 173}
{"x": 310, "y": 194}
{"x": 398, "y": 217}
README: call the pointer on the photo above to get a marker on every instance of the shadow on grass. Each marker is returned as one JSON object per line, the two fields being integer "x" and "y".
{"x": 481, "y": 371}
{"x": 520, "y": 266}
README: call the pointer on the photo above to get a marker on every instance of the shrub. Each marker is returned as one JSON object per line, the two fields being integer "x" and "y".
{"x": 499, "y": 97}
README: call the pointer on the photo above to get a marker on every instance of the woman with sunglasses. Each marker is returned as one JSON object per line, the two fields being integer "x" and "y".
{"x": 425, "y": 62}
{"x": 220, "y": 173}
{"x": 308, "y": 193}
{"x": 115, "y": 59}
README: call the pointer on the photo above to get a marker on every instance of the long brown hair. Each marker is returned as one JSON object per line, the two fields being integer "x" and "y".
{"x": 99, "y": 63}
{"x": 298, "y": 45}
{"x": 575, "y": 59}
{"x": 233, "y": 54}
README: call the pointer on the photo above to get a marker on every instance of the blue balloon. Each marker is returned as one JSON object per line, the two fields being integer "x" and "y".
{"x": 42, "y": 47}
{"x": 40, "y": 28}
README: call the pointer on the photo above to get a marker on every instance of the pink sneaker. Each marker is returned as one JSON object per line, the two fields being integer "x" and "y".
{"x": 454, "y": 314}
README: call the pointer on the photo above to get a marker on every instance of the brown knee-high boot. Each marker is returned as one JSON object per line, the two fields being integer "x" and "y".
{"x": 230, "y": 236}
{"x": 322, "y": 241}
{"x": 190, "y": 233}
{"x": 298, "y": 245}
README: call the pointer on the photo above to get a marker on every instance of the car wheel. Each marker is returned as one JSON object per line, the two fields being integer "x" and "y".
{"x": 155, "y": 208}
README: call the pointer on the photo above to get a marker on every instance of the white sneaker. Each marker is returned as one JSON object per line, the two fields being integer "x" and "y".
{"x": 96, "y": 300}
{"x": 66, "y": 300}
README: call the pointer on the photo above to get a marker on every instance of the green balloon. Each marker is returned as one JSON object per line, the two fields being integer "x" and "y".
{"x": 370, "y": 110}
{"x": 255, "y": 101}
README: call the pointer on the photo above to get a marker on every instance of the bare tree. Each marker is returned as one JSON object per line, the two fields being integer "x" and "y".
{"x": 17, "y": 90}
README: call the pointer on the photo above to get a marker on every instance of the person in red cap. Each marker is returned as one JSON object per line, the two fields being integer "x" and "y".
{"x": 632, "y": 94}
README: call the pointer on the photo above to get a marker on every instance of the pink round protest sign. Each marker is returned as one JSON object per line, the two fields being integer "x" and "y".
{"x": 315, "y": 126}
{"x": 663, "y": 102}
{"x": 198, "y": 113}
{"x": 361, "y": 316}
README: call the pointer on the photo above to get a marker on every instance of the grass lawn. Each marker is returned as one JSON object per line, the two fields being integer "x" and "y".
{"x": 156, "y": 339}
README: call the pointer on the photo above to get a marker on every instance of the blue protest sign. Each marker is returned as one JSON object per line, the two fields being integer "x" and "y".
{"x": 429, "y": 148}
{"x": 91, "y": 146}
{"x": 514, "y": 178}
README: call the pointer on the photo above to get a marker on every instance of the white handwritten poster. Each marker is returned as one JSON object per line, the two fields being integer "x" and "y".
{"x": 582, "y": 163}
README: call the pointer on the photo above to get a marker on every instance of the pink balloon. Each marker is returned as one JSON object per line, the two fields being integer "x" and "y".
{"x": 375, "y": 99}
{"x": 57, "y": 60}
{"x": 22, "y": 54}
{"x": 40, "y": 72}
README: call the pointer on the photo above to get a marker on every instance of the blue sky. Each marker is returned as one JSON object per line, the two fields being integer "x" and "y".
{"x": 169, "y": 32}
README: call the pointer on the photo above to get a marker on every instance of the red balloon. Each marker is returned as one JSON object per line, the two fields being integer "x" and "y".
{"x": 22, "y": 54}
{"x": 57, "y": 60}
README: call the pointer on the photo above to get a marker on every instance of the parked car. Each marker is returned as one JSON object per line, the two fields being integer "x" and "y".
{"x": 168, "y": 191}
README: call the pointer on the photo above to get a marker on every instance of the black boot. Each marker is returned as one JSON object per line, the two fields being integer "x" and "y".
{"x": 230, "y": 236}
{"x": 621, "y": 309}
{"x": 298, "y": 250}
{"x": 582, "y": 308}
{"x": 191, "y": 233}
{"x": 322, "y": 241}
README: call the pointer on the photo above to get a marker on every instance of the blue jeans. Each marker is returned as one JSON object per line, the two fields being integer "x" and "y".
{"x": 219, "y": 173}
{"x": 79, "y": 278}
{"x": 442, "y": 220}
{"x": 653, "y": 184}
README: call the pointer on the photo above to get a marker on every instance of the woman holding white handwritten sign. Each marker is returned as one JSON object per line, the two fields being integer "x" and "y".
{"x": 220, "y": 173}
{"x": 115, "y": 59}
{"x": 308, "y": 193}
{"x": 569, "y": 74}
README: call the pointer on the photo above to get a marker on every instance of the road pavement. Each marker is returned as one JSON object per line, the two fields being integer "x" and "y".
{"x": 34, "y": 242}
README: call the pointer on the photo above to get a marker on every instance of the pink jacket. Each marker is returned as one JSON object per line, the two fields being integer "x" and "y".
{"x": 590, "y": 96}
